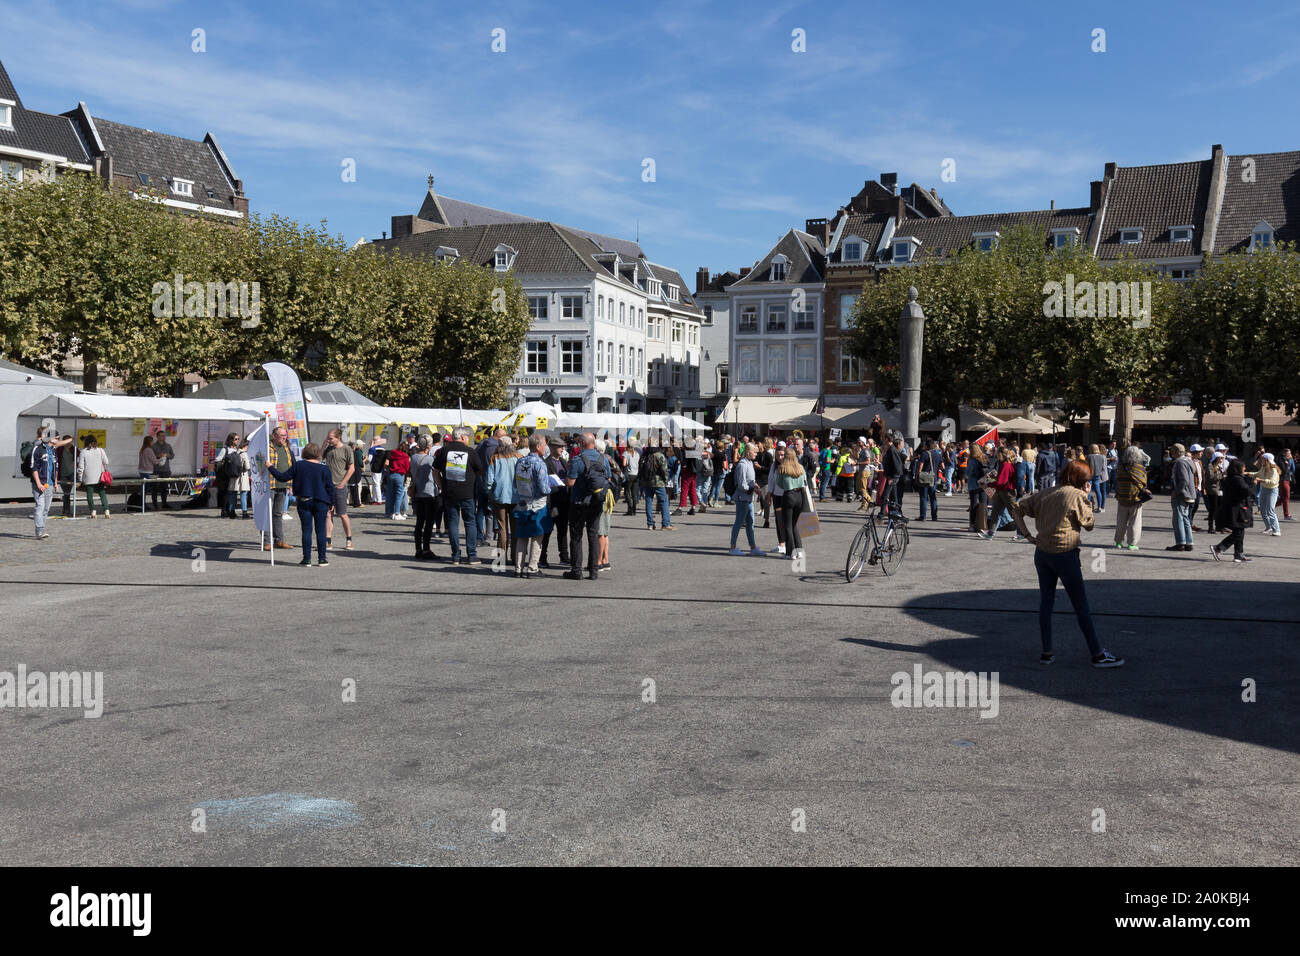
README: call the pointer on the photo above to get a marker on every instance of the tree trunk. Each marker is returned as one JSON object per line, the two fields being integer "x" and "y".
{"x": 1124, "y": 419}
{"x": 89, "y": 371}
{"x": 1094, "y": 430}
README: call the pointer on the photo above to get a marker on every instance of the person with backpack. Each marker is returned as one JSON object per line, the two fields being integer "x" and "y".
{"x": 41, "y": 466}
{"x": 532, "y": 511}
{"x": 68, "y": 459}
{"x": 588, "y": 483}
{"x": 91, "y": 466}
{"x": 927, "y": 465}
{"x": 558, "y": 506}
{"x": 228, "y": 465}
{"x": 653, "y": 479}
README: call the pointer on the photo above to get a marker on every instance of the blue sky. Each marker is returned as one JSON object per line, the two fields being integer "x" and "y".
{"x": 748, "y": 137}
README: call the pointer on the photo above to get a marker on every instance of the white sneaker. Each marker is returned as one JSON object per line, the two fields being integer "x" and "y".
{"x": 286, "y": 516}
{"x": 1276, "y": 534}
{"x": 779, "y": 549}
{"x": 947, "y": 494}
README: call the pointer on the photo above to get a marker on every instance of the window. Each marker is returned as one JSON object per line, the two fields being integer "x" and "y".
{"x": 850, "y": 369}
{"x": 986, "y": 241}
{"x": 571, "y": 356}
{"x": 673, "y": 293}
{"x": 708, "y": 315}
{"x": 693, "y": 335}
{"x": 748, "y": 321}
{"x": 778, "y": 269}
{"x": 776, "y": 364}
{"x": 677, "y": 375}
{"x": 503, "y": 257}
{"x": 902, "y": 252}
{"x": 609, "y": 357}
{"x": 847, "y": 303}
{"x": 806, "y": 321}
{"x": 1261, "y": 237}
{"x": 448, "y": 254}
{"x": 652, "y": 286}
{"x": 805, "y": 363}
{"x": 1062, "y": 239}
{"x": 571, "y": 306}
{"x": 724, "y": 380}
{"x": 7, "y": 114}
{"x": 1182, "y": 274}
{"x": 640, "y": 362}
{"x": 600, "y": 306}
{"x": 537, "y": 306}
{"x": 535, "y": 357}
{"x": 1180, "y": 234}
{"x": 852, "y": 251}
{"x": 776, "y": 318}
{"x": 748, "y": 358}
{"x": 11, "y": 171}
{"x": 692, "y": 378}
{"x": 144, "y": 179}
{"x": 212, "y": 194}
{"x": 622, "y": 313}
{"x": 640, "y": 318}
{"x": 620, "y": 359}
{"x": 677, "y": 333}
{"x": 600, "y": 356}
{"x": 1130, "y": 236}
{"x": 183, "y": 187}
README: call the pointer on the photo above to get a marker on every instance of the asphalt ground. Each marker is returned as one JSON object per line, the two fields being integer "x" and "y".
{"x": 502, "y": 722}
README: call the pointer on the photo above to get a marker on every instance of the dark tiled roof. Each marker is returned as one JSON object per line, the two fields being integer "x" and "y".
{"x": 1274, "y": 197}
{"x": 1156, "y": 198}
{"x": 719, "y": 282}
{"x": 944, "y": 235}
{"x": 867, "y": 228}
{"x": 40, "y": 132}
{"x": 686, "y": 301}
{"x": 459, "y": 213}
{"x": 806, "y": 258}
{"x": 161, "y": 157}
{"x": 541, "y": 246}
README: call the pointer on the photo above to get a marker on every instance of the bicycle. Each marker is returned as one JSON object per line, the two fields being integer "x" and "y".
{"x": 870, "y": 546}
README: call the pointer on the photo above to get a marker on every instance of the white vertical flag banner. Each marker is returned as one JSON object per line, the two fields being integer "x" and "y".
{"x": 259, "y": 479}
{"x": 290, "y": 404}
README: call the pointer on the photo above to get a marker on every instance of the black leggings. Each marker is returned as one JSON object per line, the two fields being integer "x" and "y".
{"x": 1065, "y": 568}
{"x": 1237, "y": 539}
{"x": 423, "y": 523}
{"x": 788, "y": 520}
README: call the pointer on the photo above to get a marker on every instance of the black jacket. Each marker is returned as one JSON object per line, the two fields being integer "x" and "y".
{"x": 1234, "y": 505}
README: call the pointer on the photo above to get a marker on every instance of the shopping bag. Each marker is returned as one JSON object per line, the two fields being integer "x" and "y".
{"x": 809, "y": 524}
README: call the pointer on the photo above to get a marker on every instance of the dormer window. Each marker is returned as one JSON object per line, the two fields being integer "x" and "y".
{"x": 7, "y": 114}
{"x": 144, "y": 179}
{"x": 1261, "y": 237}
{"x": 852, "y": 250}
{"x": 1180, "y": 234}
{"x": 778, "y": 268}
{"x": 905, "y": 249}
{"x": 446, "y": 254}
{"x": 504, "y": 257}
{"x": 672, "y": 293}
{"x": 1130, "y": 237}
{"x": 212, "y": 193}
{"x": 652, "y": 286}
{"x": 986, "y": 241}
{"x": 183, "y": 187}
{"x": 1065, "y": 237}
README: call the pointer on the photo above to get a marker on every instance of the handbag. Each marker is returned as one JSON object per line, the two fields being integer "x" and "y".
{"x": 105, "y": 477}
{"x": 808, "y": 523}
{"x": 1144, "y": 495}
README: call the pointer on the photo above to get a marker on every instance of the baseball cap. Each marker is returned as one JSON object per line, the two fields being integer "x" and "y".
{"x": 862, "y": 439}
{"x": 1220, "y": 447}
{"x": 780, "y": 444}
{"x": 1268, "y": 455}
{"x": 1196, "y": 447}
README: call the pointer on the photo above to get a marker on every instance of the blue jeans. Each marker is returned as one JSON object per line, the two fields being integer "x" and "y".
{"x": 1020, "y": 477}
{"x": 1030, "y": 469}
{"x": 243, "y": 501}
{"x": 744, "y": 519}
{"x": 394, "y": 497}
{"x": 927, "y": 494}
{"x": 1111, "y": 471}
{"x": 43, "y": 500}
{"x": 651, "y": 496}
{"x": 1066, "y": 569}
{"x": 312, "y": 512}
{"x": 456, "y": 511}
{"x": 1182, "y": 522}
{"x": 1268, "y": 508}
{"x": 1099, "y": 489}
{"x": 706, "y": 485}
{"x": 483, "y": 517}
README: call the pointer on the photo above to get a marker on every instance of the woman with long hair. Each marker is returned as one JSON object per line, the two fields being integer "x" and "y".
{"x": 313, "y": 493}
{"x": 977, "y": 463}
{"x": 1268, "y": 476}
{"x": 1060, "y": 516}
{"x": 1234, "y": 513}
{"x": 501, "y": 492}
{"x": 791, "y": 486}
{"x": 1003, "y": 488}
{"x": 1130, "y": 483}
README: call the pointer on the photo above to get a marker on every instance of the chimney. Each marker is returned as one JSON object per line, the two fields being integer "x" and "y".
{"x": 384, "y": 234}
{"x": 1110, "y": 170}
{"x": 744, "y": 271}
{"x": 701, "y": 279}
{"x": 1053, "y": 206}
{"x": 890, "y": 182}
{"x": 1096, "y": 195}
{"x": 819, "y": 228}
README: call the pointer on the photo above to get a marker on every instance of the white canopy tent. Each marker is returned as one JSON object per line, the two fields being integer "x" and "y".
{"x": 20, "y": 388}
{"x": 195, "y": 427}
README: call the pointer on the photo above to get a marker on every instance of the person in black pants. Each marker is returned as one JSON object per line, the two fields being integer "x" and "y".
{"x": 1234, "y": 513}
{"x": 586, "y": 504}
{"x": 559, "y": 505}
{"x": 313, "y": 489}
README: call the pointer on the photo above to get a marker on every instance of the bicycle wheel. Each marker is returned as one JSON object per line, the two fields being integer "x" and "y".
{"x": 858, "y": 552}
{"x": 892, "y": 549}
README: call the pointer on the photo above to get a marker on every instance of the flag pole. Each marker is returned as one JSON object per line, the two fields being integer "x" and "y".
{"x": 270, "y": 499}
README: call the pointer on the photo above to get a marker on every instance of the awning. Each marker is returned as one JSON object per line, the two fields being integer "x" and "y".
{"x": 89, "y": 405}
{"x": 764, "y": 409}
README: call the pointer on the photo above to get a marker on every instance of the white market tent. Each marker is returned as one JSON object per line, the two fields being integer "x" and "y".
{"x": 121, "y": 421}
{"x": 20, "y": 387}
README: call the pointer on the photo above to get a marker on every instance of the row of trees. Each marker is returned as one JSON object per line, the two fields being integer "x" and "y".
{"x": 997, "y": 329}
{"x": 83, "y": 271}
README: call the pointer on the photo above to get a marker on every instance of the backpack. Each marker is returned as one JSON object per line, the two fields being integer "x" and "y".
{"x": 596, "y": 482}
{"x": 232, "y": 465}
{"x": 729, "y": 484}
{"x": 26, "y": 453}
{"x": 377, "y": 461}
{"x": 650, "y": 469}
{"x": 706, "y": 466}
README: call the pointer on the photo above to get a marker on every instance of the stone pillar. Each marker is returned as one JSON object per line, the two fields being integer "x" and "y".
{"x": 911, "y": 334}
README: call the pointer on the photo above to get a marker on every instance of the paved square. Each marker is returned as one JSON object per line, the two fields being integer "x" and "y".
{"x": 499, "y": 721}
